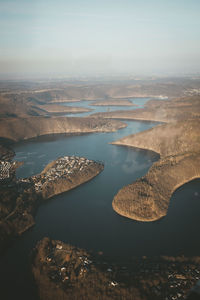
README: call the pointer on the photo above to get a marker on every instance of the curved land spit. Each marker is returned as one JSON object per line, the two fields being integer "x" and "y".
{"x": 22, "y": 197}
{"x": 178, "y": 144}
{"x": 148, "y": 198}
{"x": 64, "y": 174}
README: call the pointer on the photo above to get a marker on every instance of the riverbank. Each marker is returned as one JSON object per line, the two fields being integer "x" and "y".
{"x": 178, "y": 144}
{"x": 167, "y": 139}
{"x": 22, "y": 197}
{"x": 148, "y": 198}
{"x": 66, "y": 272}
{"x": 17, "y": 129}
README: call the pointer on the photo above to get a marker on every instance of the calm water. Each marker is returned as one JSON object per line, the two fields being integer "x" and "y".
{"x": 88, "y": 104}
{"x": 84, "y": 216}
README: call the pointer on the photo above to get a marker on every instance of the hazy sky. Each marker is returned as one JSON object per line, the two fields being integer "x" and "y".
{"x": 105, "y": 36}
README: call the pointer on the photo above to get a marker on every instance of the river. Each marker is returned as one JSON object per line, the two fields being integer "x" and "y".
{"x": 84, "y": 216}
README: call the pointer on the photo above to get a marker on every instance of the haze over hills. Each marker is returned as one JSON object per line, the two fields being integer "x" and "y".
{"x": 63, "y": 89}
{"x": 28, "y": 98}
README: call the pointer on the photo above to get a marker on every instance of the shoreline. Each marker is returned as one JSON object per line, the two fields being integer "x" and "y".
{"x": 24, "y": 196}
{"x": 177, "y": 143}
{"x": 148, "y": 198}
{"x": 62, "y": 270}
{"x": 17, "y": 129}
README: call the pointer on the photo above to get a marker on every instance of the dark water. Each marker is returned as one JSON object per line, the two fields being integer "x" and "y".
{"x": 84, "y": 216}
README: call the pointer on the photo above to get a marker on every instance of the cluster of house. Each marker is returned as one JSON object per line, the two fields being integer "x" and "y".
{"x": 179, "y": 279}
{"x": 192, "y": 92}
{"x": 62, "y": 167}
{"x": 5, "y": 167}
{"x": 62, "y": 273}
{"x": 162, "y": 97}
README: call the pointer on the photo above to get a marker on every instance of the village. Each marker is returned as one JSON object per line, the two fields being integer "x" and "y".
{"x": 66, "y": 265}
{"x": 63, "y": 167}
{"x": 192, "y": 92}
{"x": 4, "y": 169}
{"x": 7, "y": 170}
{"x": 174, "y": 281}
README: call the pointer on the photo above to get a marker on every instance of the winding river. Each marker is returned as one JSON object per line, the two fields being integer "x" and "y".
{"x": 84, "y": 216}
